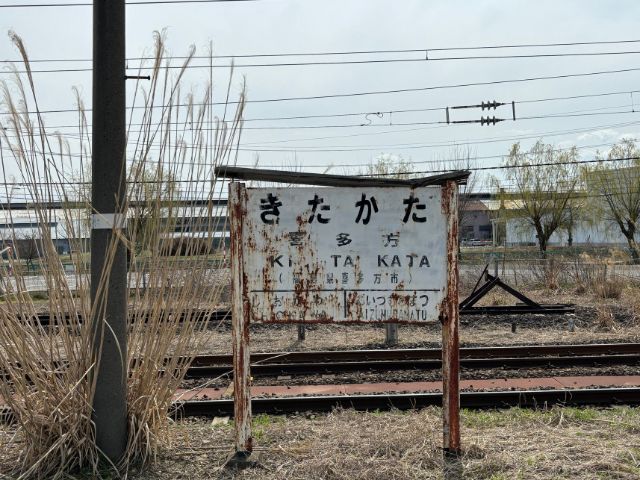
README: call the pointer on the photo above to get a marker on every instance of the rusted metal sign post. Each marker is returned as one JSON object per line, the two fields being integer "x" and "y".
{"x": 377, "y": 252}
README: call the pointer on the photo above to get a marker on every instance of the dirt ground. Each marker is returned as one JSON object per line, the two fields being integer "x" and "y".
{"x": 596, "y": 320}
{"x": 606, "y": 324}
{"x": 498, "y": 445}
{"x": 561, "y": 443}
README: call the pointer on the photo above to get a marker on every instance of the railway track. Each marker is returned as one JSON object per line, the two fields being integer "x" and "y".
{"x": 341, "y": 361}
{"x": 325, "y": 362}
{"x": 224, "y": 315}
{"x": 404, "y": 401}
{"x": 407, "y": 401}
{"x": 316, "y": 362}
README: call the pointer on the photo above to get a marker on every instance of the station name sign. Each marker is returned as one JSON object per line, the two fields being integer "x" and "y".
{"x": 341, "y": 254}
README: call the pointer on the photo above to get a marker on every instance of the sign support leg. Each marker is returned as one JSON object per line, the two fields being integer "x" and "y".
{"x": 450, "y": 330}
{"x": 240, "y": 334}
{"x": 241, "y": 390}
{"x": 391, "y": 334}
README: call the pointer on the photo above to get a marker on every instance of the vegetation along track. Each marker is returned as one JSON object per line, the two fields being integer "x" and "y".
{"x": 323, "y": 362}
{"x": 403, "y": 401}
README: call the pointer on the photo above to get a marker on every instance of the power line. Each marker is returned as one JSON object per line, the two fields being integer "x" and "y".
{"x": 435, "y": 122}
{"x": 507, "y": 167}
{"x": 385, "y": 132}
{"x": 471, "y": 159}
{"x": 472, "y": 169}
{"x": 389, "y": 113}
{"x": 438, "y": 161}
{"x": 444, "y": 144}
{"x": 400, "y": 124}
{"x": 407, "y": 90}
{"x": 550, "y": 133}
{"x": 441, "y": 87}
{"x": 405, "y": 146}
{"x": 337, "y": 115}
{"x": 347, "y": 62}
{"x": 135, "y": 2}
{"x": 381, "y": 113}
{"x": 349, "y": 52}
{"x": 373, "y": 113}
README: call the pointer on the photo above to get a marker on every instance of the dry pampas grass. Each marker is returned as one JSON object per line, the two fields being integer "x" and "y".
{"x": 174, "y": 143}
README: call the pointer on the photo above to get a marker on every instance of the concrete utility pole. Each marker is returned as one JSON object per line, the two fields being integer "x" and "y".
{"x": 107, "y": 196}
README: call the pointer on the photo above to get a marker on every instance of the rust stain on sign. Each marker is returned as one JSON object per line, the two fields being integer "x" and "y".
{"x": 322, "y": 255}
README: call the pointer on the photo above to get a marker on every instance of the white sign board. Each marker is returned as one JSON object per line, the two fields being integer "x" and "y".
{"x": 343, "y": 254}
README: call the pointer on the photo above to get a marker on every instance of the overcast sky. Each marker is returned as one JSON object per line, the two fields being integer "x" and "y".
{"x": 281, "y": 26}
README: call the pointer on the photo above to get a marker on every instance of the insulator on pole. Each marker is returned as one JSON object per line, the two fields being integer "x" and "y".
{"x": 489, "y": 105}
{"x": 490, "y": 120}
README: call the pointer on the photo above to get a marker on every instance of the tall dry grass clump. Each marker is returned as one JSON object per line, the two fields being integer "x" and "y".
{"x": 548, "y": 272}
{"x": 174, "y": 143}
{"x": 597, "y": 276}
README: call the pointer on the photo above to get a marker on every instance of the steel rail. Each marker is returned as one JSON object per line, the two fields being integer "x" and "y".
{"x": 274, "y": 369}
{"x": 319, "y": 362}
{"x": 220, "y": 315}
{"x": 409, "y": 401}
{"x": 327, "y": 356}
{"x": 45, "y": 319}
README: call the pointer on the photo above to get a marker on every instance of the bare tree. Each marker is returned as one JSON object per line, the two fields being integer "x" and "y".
{"x": 461, "y": 158}
{"x": 152, "y": 191}
{"x": 544, "y": 180}
{"x": 29, "y": 249}
{"x": 390, "y": 165}
{"x": 615, "y": 192}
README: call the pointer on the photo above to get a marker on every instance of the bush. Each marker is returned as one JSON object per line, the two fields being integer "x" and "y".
{"x": 609, "y": 288}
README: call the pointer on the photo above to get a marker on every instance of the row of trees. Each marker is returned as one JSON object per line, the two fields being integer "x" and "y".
{"x": 552, "y": 190}
{"x": 547, "y": 187}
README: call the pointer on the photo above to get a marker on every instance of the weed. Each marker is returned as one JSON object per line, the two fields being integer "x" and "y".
{"x": 609, "y": 288}
{"x": 261, "y": 420}
{"x": 580, "y": 414}
{"x": 57, "y": 441}
{"x": 605, "y": 321}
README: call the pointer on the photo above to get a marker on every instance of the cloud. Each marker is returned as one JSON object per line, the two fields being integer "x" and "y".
{"x": 603, "y": 134}
{"x": 630, "y": 135}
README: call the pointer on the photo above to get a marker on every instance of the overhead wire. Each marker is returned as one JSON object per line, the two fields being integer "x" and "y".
{"x": 360, "y": 113}
{"x": 409, "y": 173}
{"x": 382, "y": 114}
{"x": 346, "y": 62}
{"x": 132, "y": 2}
{"x": 517, "y": 166}
{"x": 353, "y": 52}
{"x": 416, "y": 89}
{"x": 471, "y": 159}
{"x": 550, "y": 133}
{"x": 454, "y": 143}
